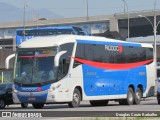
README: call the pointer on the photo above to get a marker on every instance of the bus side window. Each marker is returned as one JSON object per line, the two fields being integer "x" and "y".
{"x": 63, "y": 68}
{"x": 80, "y": 53}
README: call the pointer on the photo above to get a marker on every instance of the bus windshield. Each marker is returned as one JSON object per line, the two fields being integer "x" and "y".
{"x": 35, "y": 66}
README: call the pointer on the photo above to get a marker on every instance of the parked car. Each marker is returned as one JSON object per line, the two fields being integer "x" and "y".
{"x": 158, "y": 91}
{"x": 6, "y": 95}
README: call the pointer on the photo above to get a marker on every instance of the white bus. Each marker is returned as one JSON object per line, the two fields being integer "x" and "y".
{"x": 72, "y": 68}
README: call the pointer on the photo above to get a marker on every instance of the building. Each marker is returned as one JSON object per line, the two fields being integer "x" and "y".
{"x": 118, "y": 26}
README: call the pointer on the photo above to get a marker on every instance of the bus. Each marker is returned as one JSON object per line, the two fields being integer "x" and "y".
{"x": 73, "y": 68}
{"x": 22, "y": 35}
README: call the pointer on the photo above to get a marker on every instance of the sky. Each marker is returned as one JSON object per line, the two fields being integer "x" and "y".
{"x": 77, "y": 8}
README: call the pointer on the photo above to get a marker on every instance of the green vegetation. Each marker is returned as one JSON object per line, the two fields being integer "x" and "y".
{"x": 4, "y": 79}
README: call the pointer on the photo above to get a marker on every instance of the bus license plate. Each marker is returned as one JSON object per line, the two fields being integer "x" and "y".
{"x": 31, "y": 98}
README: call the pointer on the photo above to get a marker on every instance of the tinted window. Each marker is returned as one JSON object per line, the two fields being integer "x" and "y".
{"x": 67, "y": 47}
{"x": 97, "y": 53}
{"x": 9, "y": 86}
{"x": 149, "y": 53}
{"x": 65, "y": 59}
{"x": 2, "y": 86}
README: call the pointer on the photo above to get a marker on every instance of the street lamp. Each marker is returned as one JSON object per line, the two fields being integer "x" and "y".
{"x": 125, "y": 3}
{"x": 24, "y": 15}
{"x": 124, "y": 6}
{"x": 35, "y": 12}
{"x": 87, "y": 9}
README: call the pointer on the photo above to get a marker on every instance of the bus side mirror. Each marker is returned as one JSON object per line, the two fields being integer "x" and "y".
{"x": 56, "y": 59}
{"x": 7, "y": 60}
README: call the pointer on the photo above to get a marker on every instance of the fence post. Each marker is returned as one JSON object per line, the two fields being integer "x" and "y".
{"x": 2, "y": 77}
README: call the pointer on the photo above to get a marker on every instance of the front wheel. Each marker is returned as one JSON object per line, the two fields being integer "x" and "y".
{"x": 2, "y": 104}
{"x": 76, "y": 99}
{"x": 38, "y": 105}
{"x": 24, "y": 105}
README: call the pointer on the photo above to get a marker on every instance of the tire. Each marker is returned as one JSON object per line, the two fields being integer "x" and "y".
{"x": 38, "y": 105}
{"x": 158, "y": 100}
{"x": 2, "y": 104}
{"x": 130, "y": 97}
{"x": 99, "y": 103}
{"x": 137, "y": 96}
{"x": 76, "y": 99}
{"x": 24, "y": 105}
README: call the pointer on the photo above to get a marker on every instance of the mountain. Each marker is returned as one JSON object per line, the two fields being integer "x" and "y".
{"x": 10, "y": 13}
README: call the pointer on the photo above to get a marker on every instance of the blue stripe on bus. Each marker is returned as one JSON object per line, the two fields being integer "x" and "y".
{"x": 31, "y": 99}
{"x": 97, "y": 81}
{"x": 107, "y": 42}
{"x": 40, "y": 97}
{"x": 32, "y": 89}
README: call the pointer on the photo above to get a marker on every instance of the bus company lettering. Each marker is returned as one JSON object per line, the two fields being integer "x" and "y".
{"x": 30, "y": 89}
{"x": 116, "y": 48}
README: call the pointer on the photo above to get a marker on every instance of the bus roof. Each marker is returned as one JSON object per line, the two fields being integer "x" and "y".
{"x": 49, "y": 41}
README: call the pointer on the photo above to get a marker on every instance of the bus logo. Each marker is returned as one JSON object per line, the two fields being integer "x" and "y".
{"x": 120, "y": 48}
{"x": 115, "y": 48}
{"x": 30, "y": 89}
{"x": 39, "y": 88}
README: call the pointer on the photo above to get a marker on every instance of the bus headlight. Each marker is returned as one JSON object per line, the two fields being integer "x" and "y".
{"x": 51, "y": 89}
{"x": 15, "y": 91}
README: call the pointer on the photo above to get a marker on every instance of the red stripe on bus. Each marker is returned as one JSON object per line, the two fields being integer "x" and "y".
{"x": 113, "y": 66}
{"x": 36, "y": 56}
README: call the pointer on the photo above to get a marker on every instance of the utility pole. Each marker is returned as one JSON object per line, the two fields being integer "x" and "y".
{"x": 87, "y": 9}
{"x": 125, "y": 3}
{"x": 155, "y": 33}
{"x": 24, "y": 17}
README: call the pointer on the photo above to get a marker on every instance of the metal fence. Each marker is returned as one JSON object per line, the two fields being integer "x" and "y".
{"x": 6, "y": 76}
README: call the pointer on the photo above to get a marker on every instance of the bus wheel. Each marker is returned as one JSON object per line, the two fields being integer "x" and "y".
{"x": 76, "y": 99}
{"x": 2, "y": 103}
{"x": 24, "y": 105}
{"x": 99, "y": 103}
{"x": 130, "y": 97}
{"x": 137, "y": 97}
{"x": 38, "y": 105}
